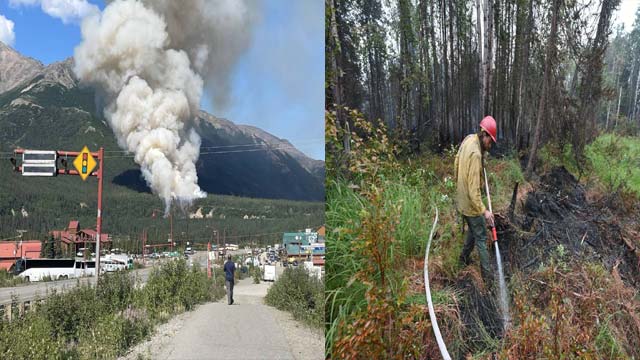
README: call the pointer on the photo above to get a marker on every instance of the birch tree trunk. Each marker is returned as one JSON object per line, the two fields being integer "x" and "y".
{"x": 481, "y": 74}
{"x": 488, "y": 55}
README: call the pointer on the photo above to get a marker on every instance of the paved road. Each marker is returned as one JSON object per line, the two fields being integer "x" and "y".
{"x": 246, "y": 330}
{"x": 32, "y": 291}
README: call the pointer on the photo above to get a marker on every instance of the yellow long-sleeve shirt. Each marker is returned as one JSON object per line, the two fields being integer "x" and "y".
{"x": 468, "y": 175}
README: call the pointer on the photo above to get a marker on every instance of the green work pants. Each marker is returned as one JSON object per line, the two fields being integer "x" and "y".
{"x": 477, "y": 235}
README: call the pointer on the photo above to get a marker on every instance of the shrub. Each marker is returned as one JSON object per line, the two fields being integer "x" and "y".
{"x": 32, "y": 337}
{"x": 174, "y": 288}
{"x": 257, "y": 274}
{"x": 110, "y": 337}
{"x": 73, "y": 312}
{"x": 299, "y": 293}
{"x": 115, "y": 290}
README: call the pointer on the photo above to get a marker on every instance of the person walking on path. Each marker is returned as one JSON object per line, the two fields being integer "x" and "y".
{"x": 229, "y": 273}
{"x": 468, "y": 175}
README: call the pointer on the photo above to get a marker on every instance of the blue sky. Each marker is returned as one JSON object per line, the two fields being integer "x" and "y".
{"x": 278, "y": 84}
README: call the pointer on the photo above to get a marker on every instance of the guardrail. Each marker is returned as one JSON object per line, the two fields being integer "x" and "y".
{"x": 10, "y": 311}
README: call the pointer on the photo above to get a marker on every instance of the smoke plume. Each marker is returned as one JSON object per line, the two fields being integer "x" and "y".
{"x": 149, "y": 61}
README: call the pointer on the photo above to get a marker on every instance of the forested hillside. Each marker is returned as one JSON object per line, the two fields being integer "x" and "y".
{"x": 245, "y": 171}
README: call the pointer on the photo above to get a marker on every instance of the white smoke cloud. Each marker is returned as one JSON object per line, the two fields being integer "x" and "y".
{"x": 69, "y": 11}
{"x": 148, "y": 59}
{"x": 7, "y": 35}
{"x": 214, "y": 33}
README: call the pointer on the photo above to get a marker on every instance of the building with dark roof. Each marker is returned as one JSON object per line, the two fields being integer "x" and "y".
{"x": 73, "y": 238}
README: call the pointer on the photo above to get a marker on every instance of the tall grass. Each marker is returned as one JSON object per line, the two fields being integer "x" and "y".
{"x": 612, "y": 159}
{"x": 7, "y": 279}
{"x": 344, "y": 294}
{"x": 616, "y": 161}
{"x": 377, "y": 210}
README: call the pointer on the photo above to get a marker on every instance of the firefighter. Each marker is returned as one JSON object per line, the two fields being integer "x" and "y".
{"x": 468, "y": 175}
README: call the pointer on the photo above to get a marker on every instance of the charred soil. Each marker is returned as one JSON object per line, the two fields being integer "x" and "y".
{"x": 556, "y": 220}
{"x": 559, "y": 218}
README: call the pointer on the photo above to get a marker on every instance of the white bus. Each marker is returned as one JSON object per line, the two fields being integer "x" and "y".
{"x": 86, "y": 268}
{"x": 38, "y": 269}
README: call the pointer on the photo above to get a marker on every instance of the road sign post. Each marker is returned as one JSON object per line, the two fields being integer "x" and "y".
{"x": 209, "y": 260}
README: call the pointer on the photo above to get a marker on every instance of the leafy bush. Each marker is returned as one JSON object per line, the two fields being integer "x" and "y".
{"x": 299, "y": 293}
{"x": 174, "y": 288}
{"x": 32, "y": 337}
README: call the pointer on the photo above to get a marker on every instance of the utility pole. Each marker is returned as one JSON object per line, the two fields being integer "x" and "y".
{"x": 99, "y": 220}
{"x": 144, "y": 243}
{"x": 171, "y": 225}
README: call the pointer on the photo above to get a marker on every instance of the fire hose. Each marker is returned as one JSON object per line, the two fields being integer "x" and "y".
{"x": 504, "y": 302}
{"x": 432, "y": 314}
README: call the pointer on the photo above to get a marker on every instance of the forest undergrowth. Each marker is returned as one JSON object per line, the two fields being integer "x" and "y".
{"x": 569, "y": 241}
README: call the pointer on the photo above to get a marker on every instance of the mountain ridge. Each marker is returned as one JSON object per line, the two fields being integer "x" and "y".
{"x": 235, "y": 159}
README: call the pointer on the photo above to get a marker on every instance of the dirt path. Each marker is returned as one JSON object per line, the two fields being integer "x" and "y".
{"x": 246, "y": 330}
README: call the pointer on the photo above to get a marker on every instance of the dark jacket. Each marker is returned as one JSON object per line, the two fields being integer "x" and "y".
{"x": 229, "y": 270}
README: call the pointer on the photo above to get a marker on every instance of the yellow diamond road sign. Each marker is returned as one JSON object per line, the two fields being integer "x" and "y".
{"x": 84, "y": 163}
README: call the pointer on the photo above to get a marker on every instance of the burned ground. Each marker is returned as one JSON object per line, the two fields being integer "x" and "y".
{"x": 554, "y": 220}
{"x": 557, "y": 220}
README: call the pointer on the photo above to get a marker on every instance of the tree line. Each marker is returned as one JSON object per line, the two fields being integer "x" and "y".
{"x": 547, "y": 70}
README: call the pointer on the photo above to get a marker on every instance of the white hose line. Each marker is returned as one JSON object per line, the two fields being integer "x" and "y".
{"x": 432, "y": 313}
{"x": 504, "y": 301}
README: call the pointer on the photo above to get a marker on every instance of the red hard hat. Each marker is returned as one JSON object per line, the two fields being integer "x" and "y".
{"x": 489, "y": 125}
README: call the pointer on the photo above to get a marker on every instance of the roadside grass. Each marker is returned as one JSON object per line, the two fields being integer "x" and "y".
{"x": 104, "y": 321}
{"x": 9, "y": 280}
{"x": 300, "y": 294}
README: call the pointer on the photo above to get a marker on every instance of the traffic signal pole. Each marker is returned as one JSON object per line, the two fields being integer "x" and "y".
{"x": 99, "y": 219}
{"x": 99, "y": 174}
